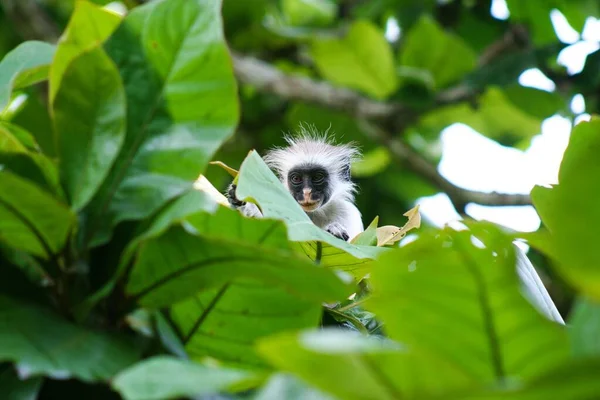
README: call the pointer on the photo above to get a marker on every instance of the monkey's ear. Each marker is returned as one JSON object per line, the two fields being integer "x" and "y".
{"x": 345, "y": 171}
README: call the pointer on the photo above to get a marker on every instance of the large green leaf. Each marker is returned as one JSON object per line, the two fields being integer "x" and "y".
{"x": 30, "y": 219}
{"x": 89, "y": 26}
{"x": 569, "y": 210}
{"x": 181, "y": 105}
{"x": 362, "y": 60}
{"x": 352, "y": 366}
{"x": 447, "y": 293}
{"x": 39, "y": 342}
{"x": 164, "y": 377}
{"x": 258, "y": 184}
{"x": 444, "y": 56}
{"x": 25, "y": 65}
{"x": 232, "y": 311}
{"x": 225, "y": 247}
{"x": 575, "y": 380}
{"x": 89, "y": 120}
{"x": 585, "y": 328}
{"x": 225, "y": 322}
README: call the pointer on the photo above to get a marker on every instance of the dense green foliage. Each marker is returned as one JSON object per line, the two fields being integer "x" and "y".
{"x": 120, "y": 279}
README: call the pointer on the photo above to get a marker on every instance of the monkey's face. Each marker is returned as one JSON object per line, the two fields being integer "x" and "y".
{"x": 309, "y": 185}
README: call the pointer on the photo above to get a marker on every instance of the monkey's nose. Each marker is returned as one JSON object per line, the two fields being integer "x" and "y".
{"x": 307, "y": 192}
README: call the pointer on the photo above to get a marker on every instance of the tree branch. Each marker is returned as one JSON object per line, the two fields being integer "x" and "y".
{"x": 269, "y": 79}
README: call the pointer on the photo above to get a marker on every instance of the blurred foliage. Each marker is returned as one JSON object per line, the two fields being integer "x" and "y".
{"x": 121, "y": 280}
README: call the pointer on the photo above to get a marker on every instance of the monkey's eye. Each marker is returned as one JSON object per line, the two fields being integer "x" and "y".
{"x": 319, "y": 177}
{"x": 296, "y": 179}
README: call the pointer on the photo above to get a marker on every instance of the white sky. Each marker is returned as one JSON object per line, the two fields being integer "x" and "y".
{"x": 472, "y": 161}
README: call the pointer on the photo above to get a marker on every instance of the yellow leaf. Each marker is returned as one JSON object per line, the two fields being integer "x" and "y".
{"x": 226, "y": 167}
{"x": 205, "y": 186}
{"x": 389, "y": 234}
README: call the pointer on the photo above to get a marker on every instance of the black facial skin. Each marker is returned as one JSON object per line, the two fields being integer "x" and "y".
{"x": 310, "y": 177}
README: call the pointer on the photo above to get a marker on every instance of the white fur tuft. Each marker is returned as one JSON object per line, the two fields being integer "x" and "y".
{"x": 309, "y": 146}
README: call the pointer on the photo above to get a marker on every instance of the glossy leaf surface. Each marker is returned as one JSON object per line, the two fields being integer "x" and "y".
{"x": 228, "y": 246}
{"x": 449, "y": 283}
{"x": 181, "y": 105}
{"x": 89, "y": 120}
{"x": 164, "y": 377}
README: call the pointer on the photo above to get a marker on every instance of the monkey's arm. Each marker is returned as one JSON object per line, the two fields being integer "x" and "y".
{"x": 247, "y": 209}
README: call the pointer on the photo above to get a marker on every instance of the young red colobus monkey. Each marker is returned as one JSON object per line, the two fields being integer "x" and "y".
{"x": 316, "y": 172}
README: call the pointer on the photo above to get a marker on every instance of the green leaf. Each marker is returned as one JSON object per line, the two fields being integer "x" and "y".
{"x": 535, "y": 102}
{"x": 309, "y": 12}
{"x": 574, "y": 380}
{"x": 585, "y": 328}
{"x": 285, "y": 386}
{"x": 445, "y": 56}
{"x": 89, "y": 26}
{"x": 258, "y": 184}
{"x": 30, "y": 219}
{"x": 89, "y": 120}
{"x": 351, "y": 366}
{"x": 40, "y": 343}
{"x": 225, "y": 322}
{"x": 14, "y": 388}
{"x": 445, "y": 294}
{"x": 362, "y": 60}
{"x": 174, "y": 213}
{"x": 570, "y": 213}
{"x": 181, "y": 106}
{"x": 228, "y": 247}
{"x": 369, "y": 236}
{"x": 25, "y": 65}
{"x": 15, "y": 138}
{"x": 164, "y": 377}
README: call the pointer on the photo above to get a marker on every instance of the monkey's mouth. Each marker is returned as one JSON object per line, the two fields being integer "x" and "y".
{"x": 309, "y": 205}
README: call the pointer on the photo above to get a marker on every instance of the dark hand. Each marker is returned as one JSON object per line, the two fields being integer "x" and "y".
{"x": 231, "y": 197}
{"x": 338, "y": 231}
